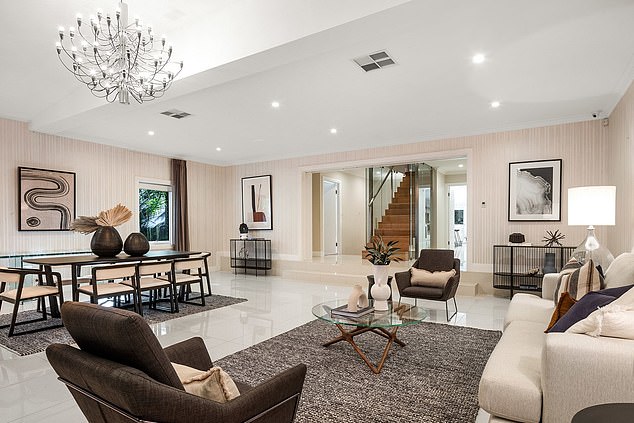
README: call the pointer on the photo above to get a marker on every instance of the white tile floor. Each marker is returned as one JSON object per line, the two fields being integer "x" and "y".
{"x": 29, "y": 391}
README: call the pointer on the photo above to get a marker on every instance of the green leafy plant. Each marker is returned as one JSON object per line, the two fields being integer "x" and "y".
{"x": 380, "y": 253}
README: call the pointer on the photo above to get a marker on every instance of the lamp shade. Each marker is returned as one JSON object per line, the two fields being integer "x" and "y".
{"x": 593, "y": 205}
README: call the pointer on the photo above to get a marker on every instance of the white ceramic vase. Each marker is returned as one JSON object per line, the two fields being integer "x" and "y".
{"x": 381, "y": 290}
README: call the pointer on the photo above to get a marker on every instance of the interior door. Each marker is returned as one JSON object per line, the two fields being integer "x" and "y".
{"x": 331, "y": 217}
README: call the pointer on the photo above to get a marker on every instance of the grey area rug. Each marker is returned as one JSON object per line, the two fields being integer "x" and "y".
{"x": 38, "y": 341}
{"x": 434, "y": 378}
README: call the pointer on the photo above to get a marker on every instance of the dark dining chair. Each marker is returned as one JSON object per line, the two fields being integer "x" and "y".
{"x": 22, "y": 292}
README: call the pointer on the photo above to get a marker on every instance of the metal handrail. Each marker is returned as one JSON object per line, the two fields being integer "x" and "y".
{"x": 380, "y": 186}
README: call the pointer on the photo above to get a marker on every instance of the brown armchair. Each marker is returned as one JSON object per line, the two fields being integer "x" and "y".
{"x": 433, "y": 261}
{"x": 121, "y": 374}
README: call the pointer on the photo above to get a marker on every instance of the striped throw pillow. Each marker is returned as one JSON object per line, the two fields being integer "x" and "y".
{"x": 579, "y": 282}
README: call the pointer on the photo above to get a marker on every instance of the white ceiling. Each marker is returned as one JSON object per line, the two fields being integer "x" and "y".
{"x": 547, "y": 62}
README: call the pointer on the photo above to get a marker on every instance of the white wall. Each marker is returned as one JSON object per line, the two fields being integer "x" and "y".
{"x": 582, "y": 146}
{"x": 621, "y": 172}
{"x": 106, "y": 175}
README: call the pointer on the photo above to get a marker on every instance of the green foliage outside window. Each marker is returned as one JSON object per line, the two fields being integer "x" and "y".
{"x": 154, "y": 214}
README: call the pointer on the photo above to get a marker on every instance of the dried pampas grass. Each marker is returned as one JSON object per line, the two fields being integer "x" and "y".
{"x": 116, "y": 216}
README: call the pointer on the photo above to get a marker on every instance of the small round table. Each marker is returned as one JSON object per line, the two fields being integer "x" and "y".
{"x": 612, "y": 413}
{"x": 382, "y": 323}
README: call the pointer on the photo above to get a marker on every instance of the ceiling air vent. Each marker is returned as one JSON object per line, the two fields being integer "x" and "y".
{"x": 176, "y": 114}
{"x": 373, "y": 61}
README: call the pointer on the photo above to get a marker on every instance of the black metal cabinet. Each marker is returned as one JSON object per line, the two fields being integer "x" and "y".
{"x": 253, "y": 254}
{"x": 520, "y": 267}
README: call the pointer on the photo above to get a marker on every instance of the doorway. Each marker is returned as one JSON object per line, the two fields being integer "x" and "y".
{"x": 331, "y": 217}
{"x": 458, "y": 220}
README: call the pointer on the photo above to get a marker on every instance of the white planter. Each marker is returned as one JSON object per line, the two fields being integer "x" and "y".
{"x": 381, "y": 290}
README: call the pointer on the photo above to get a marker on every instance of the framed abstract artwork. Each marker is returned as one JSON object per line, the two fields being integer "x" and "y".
{"x": 257, "y": 203}
{"x": 47, "y": 199}
{"x": 535, "y": 190}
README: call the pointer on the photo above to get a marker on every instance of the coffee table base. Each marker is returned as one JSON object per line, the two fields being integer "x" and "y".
{"x": 348, "y": 336}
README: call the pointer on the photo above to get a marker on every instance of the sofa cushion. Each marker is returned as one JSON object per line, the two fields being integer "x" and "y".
{"x": 578, "y": 283}
{"x": 530, "y": 308}
{"x": 613, "y": 320}
{"x": 564, "y": 304}
{"x": 510, "y": 386}
{"x": 621, "y": 271}
{"x": 588, "y": 304}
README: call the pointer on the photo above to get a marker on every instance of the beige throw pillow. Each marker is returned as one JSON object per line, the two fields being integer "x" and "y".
{"x": 214, "y": 384}
{"x": 422, "y": 277}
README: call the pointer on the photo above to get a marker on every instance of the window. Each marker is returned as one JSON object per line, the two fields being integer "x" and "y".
{"x": 155, "y": 212}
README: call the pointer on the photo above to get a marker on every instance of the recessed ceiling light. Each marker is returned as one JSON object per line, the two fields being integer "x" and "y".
{"x": 460, "y": 165}
{"x": 150, "y": 133}
{"x": 495, "y": 104}
{"x": 275, "y": 104}
{"x": 478, "y": 58}
{"x": 333, "y": 130}
{"x": 218, "y": 149}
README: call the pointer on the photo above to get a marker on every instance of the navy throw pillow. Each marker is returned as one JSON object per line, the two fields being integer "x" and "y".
{"x": 586, "y": 305}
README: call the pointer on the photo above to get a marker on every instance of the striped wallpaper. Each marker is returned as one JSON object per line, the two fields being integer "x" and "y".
{"x": 107, "y": 175}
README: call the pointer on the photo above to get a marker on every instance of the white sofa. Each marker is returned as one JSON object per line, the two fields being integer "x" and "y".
{"x": 536, "y": 377}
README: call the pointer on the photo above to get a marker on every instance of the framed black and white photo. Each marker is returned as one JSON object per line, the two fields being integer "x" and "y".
{"x": 257, "y": 208}
{"x": 535, "y": 190}
{"x": 47, "y": 199}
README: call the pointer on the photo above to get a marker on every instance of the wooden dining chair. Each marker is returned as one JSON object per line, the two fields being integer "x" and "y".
{"x": 22, "y": 293}
{"x": 148, "y": 280}
{"x": 205, "y": 272}
{"x": 108, "y": 282}
{"x": 187, "y": 272}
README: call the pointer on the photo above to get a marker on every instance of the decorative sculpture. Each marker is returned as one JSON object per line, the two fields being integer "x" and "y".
{"x": 357, "y": 299}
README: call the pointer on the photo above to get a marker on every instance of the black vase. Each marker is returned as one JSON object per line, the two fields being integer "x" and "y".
{"x": 136, "y": 244}
{"x": 549, "y": 263}
{"x": 106, "y": 242}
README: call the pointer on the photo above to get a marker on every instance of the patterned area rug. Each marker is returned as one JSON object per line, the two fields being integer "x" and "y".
{"x": 38, "y": 341}
{"x": 434, "y": 378}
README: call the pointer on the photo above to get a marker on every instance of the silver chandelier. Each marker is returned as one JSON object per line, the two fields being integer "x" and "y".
{"x": 116, "y": 59}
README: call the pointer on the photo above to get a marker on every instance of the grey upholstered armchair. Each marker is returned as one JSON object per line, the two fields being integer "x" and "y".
{"x": 122, "y": 374}
{"x": 432, "y": 261}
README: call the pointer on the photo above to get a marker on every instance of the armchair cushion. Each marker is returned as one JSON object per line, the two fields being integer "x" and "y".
{"x": 214, "y": 384}
{"x": 436, "y": 279}
{"x": 435, "y": 260}
{"x": 621, "y": 271}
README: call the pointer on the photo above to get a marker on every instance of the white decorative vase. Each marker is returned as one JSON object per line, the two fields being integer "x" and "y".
{"x": 380, "y": 290}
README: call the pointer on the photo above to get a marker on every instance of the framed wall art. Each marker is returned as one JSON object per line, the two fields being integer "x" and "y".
{"x": 535, "y": 190}
{"x": 47, "y": 199}
{"x": 257, "y": 203}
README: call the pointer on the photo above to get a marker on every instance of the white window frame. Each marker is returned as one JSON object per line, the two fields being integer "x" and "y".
{"x": 157, "y": 185}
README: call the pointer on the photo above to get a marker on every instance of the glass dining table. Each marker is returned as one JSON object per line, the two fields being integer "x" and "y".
{"x": 76, "y": 262}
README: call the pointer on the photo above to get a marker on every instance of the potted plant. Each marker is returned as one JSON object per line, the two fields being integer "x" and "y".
{"x": 380, "y": 254}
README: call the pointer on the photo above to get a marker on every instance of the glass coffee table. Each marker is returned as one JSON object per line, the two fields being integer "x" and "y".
{"x": 382, "y": 323}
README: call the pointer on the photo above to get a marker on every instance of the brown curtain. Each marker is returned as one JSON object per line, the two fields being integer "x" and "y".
{"x": 181, "y": 222}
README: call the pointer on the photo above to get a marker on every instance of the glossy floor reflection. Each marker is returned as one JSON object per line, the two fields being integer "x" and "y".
{"x": 30, "y": 392}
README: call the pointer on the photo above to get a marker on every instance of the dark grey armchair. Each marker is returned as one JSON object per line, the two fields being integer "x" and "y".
{"x": 121, "y": 374}
{"x": 433, "y": 261}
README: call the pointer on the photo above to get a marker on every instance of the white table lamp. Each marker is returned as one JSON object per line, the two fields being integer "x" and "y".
{"x": 592, "y": 206}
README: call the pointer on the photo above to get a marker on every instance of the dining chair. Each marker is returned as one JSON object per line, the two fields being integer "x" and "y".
{"x": 187, "y": 272}
{"x": 147, "y": 280}
{"x": 205, "y": 271}
{"x": 22, "y": 293}
{"x": 108, "y": 282}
